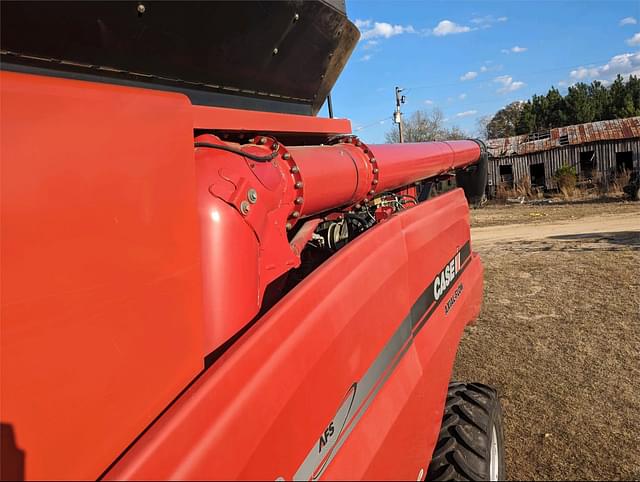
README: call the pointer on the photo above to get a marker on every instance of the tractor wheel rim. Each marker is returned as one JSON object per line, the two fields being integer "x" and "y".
{"x": 493, "y": 461}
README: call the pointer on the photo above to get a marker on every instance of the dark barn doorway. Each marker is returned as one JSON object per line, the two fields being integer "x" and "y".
{"x": 506, "y": 175}
{"x": 536, "y": 172}
{"x": 624, "y": 161}
{"x": 587, "y": 164}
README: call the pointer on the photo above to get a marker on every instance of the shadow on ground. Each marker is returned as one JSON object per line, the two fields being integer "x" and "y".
{"x": 625, "y": 238}
{"x": 584, "y": 242}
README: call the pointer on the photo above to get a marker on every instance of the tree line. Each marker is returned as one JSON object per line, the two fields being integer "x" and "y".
{"x": 582, "y": 103}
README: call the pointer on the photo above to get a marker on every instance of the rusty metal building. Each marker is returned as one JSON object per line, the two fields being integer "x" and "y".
{"x": 597, "y": 150}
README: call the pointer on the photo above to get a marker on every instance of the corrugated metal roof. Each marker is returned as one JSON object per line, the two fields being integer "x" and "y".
{"x": 564, "y": 136}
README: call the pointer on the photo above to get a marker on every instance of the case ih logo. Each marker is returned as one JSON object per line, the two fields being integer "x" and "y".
{"x": 446, "y": 277}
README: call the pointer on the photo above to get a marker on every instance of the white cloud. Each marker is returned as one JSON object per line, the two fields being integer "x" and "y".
{"x": 372, "y": 30}
{"x": 480, "y": 20}
{"x": 562, "y": 83}
{"x": 635, "y": 40}
{"x": 428, "y": 102}
{"x": 516, "y": 50}
{"x": 462, "y": 96}
{"x": 365, "y": 58}
{"x": 623, "y": 64}
{"x": 483, "y": 68}
{"x": 469, "y": 76}
{"x": 508, "y": 84}
{"x": 466, "y": 113}
{"x": 582, "y": 73}
{"x": 487, "y": 21}
{"x": 628, "y": 21}
{"x": 370, "y": 44}
{"x": 447, "y": 27}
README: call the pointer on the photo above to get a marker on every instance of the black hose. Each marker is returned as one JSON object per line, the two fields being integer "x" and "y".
{"x": 240, "y": 152}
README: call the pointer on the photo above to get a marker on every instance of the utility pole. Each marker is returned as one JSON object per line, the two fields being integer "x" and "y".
{"x": 397, "y": 115}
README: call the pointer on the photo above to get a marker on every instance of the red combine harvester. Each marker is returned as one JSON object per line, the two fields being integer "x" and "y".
{"x": 203, "y": 280}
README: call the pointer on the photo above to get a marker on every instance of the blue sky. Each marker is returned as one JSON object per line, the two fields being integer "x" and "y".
{"x": 472, "y": 58}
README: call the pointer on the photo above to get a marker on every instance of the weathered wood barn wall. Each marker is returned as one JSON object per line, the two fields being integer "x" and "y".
{"x": 597, "y": 149}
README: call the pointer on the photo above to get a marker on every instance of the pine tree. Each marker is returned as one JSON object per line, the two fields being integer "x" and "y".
{"x": 583, "y": 103}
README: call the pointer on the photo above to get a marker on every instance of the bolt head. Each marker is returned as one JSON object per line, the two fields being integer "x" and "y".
{"x": 252, "y": 195}
{"x": 141, "y": 8}
{"x": 295, "y": 170}
{"x": 245, "y": 207}
{"x": 376, "y": 170}
{"x": 374, "y": 182}
{"x": 288, "y": 226}
{"x": 372, "y": 192}
{"x": 295, "y": 214}
{"x": 296, "y": 17}
{"x": 275, "y": 146}
{"x": 299, "y": 200}
{"x": 373, "y": 160}
{"x": 286, "y": 156}
{"x": 263, "y": 140}
{"x": 299, "y": 184}
{"x": 275, "y": 51}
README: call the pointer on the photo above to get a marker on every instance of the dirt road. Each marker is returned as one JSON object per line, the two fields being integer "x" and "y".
{"x": 559, "y": 337}
{"x": 594, "y": 224}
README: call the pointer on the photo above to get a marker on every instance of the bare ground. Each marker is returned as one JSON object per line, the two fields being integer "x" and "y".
{"x": 559, "y": 337}
{"x": 496, "y": 214}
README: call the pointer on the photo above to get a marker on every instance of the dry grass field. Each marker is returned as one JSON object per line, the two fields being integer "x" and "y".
{"x": 559, "y": 337}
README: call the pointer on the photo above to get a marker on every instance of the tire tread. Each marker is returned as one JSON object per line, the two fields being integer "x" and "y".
{"x": 462, "y": 450}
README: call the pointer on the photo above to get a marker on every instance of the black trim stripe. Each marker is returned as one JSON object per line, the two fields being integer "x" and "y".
{"x": 362, "y": 393}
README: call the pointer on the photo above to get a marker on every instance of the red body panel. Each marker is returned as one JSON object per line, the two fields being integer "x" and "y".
{"x": 115, "y": 236}
{"x": 235, "y": 120}
{"x": 101, "y": 291}
{"x": 258, "y": 410}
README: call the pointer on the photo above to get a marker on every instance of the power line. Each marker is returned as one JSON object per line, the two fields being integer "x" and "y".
{"x": 380, "y": 121}
{"x": 366, "y": 126}
{"x": 465, "y": 105}
{"x": 433, "y": 86}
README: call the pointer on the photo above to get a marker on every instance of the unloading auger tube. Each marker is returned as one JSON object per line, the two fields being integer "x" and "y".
{"x": 261, "y": 203}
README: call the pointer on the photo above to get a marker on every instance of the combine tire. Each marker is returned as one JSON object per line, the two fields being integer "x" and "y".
{"x": 470, "y": 445}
